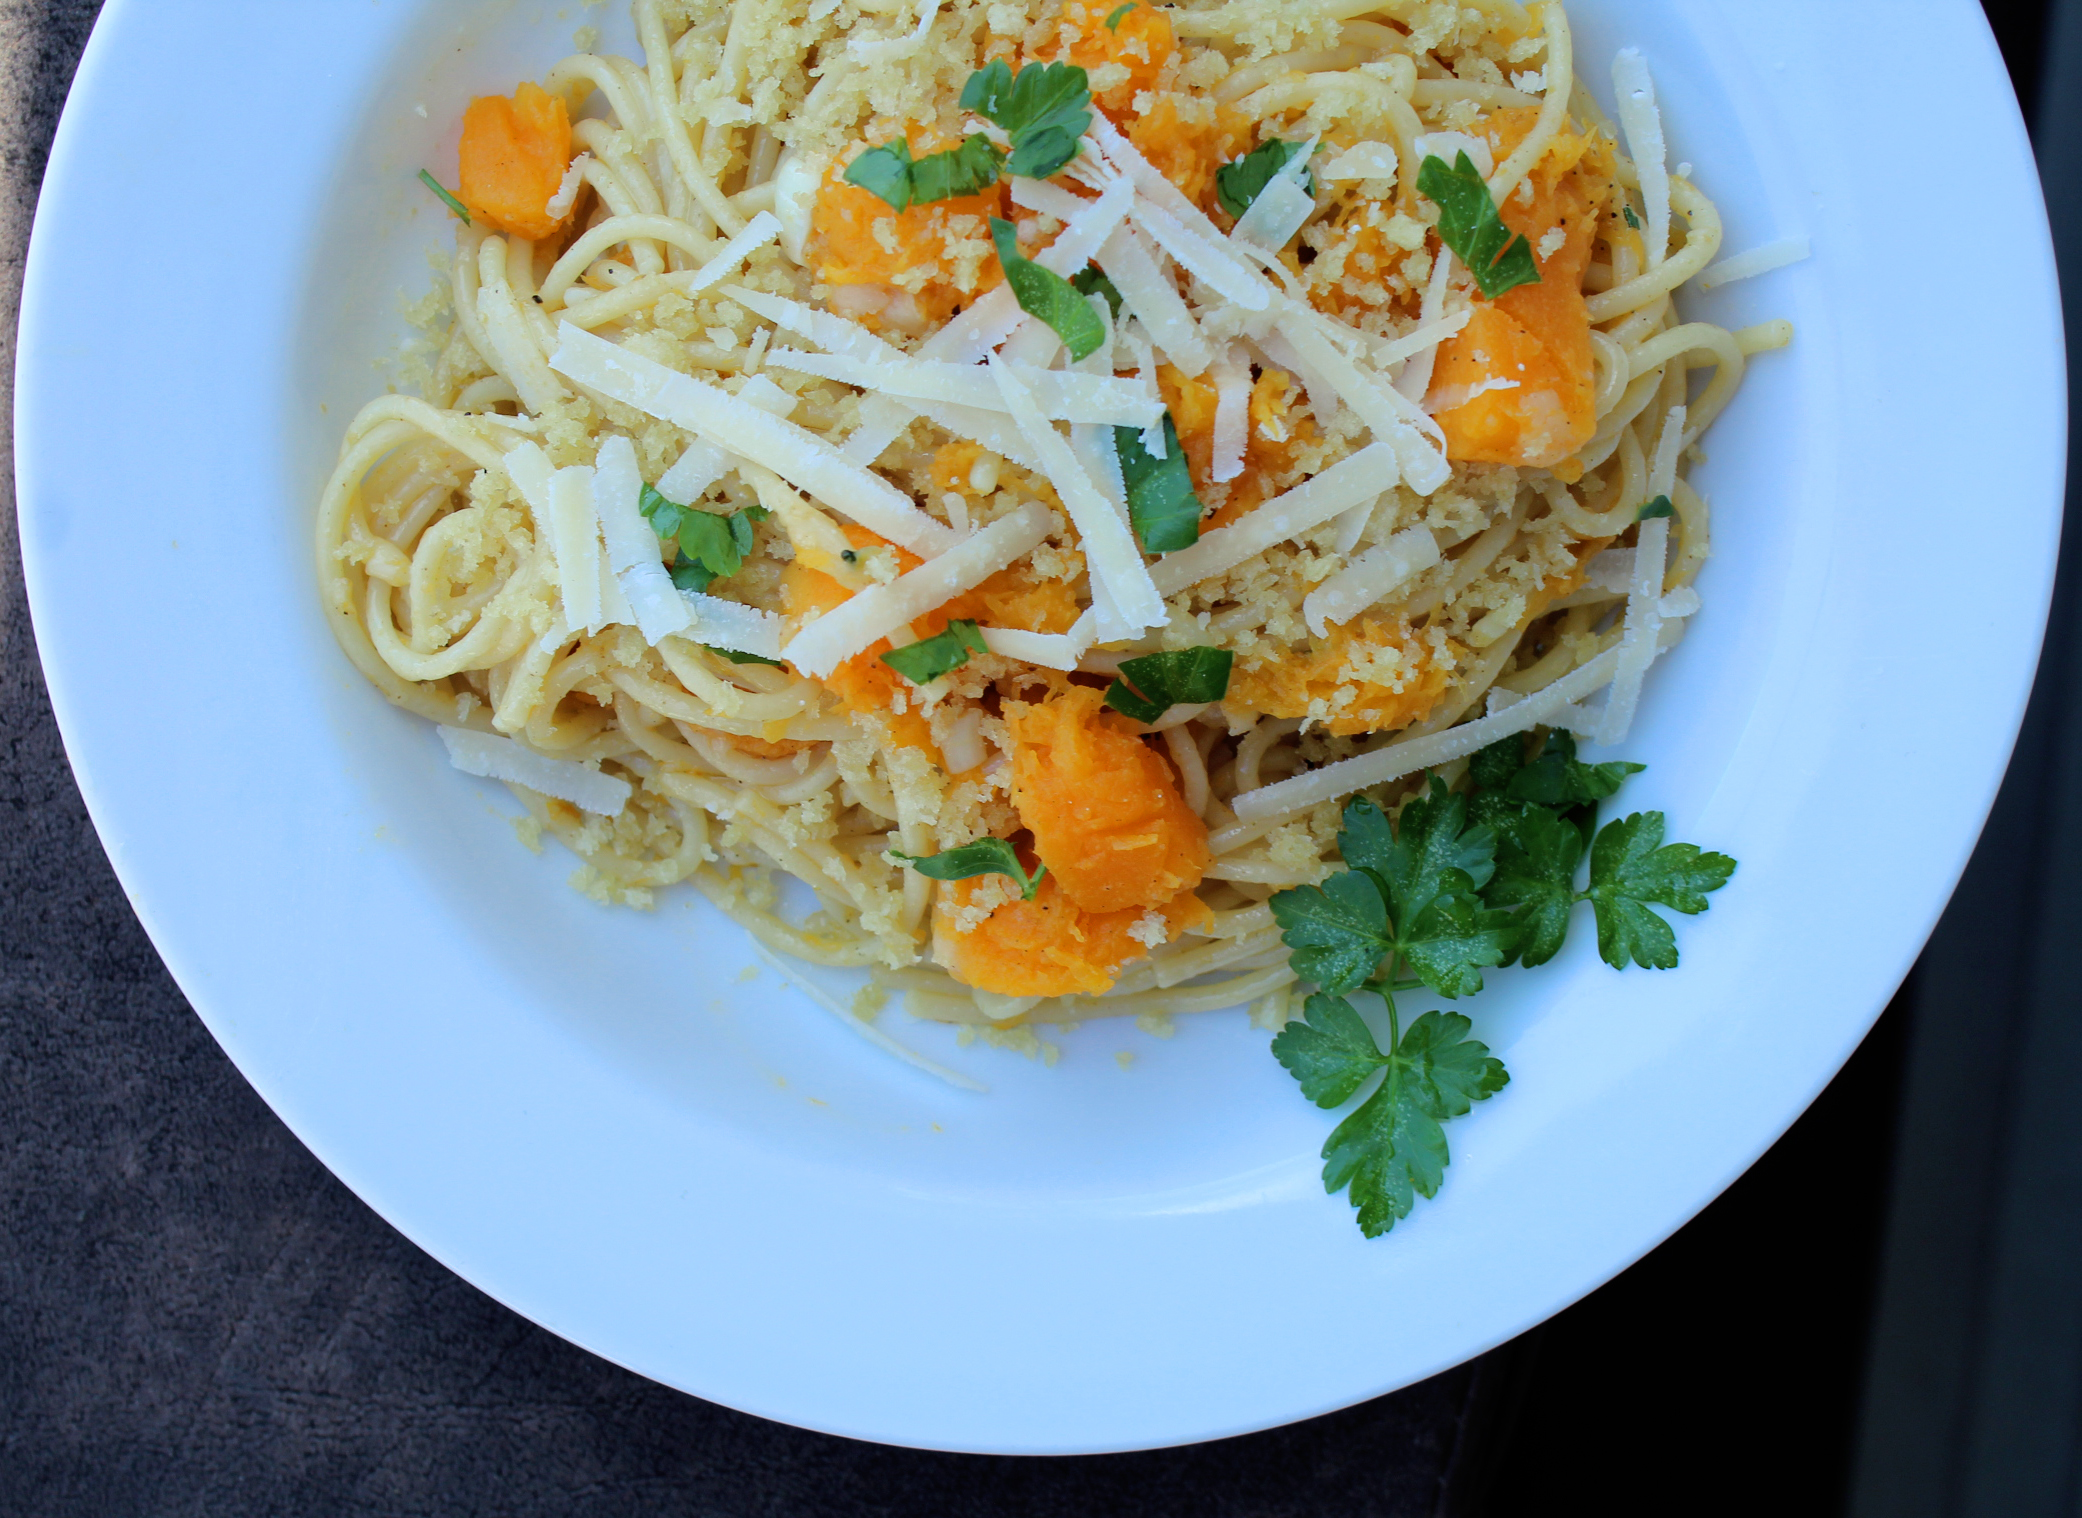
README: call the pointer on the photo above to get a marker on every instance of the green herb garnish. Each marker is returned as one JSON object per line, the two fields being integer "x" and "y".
{"x": 462, "y": 211}
{"x": 1499, "y": 258}
{"x": 1242, "y": 180}
{"x": 944, "y": 652}
{"x": 739, "y": 656}
{"x": 1045, "y": 294}
{"x": 1457, "y": 885}
{"x": 986, "y": 856}
{"x": 1631, "y": 219}
{"x": 1150, "y": 686}
{"x": 1162, "y": 507}
{"x": 903, "y": 181}
{"x": 711, "y": 546}
{"x": 1392, "y": 1149}
{"x": 1659, "y": 507}
{"x": 1113, "y": 22}
{"x": 1092, "y": 280}
{"x": 1044, "y": 108}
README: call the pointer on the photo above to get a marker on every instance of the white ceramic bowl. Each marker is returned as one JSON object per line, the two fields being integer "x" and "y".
{"x": 623, "y": 1126}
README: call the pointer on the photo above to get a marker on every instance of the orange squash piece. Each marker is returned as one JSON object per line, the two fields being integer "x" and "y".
{"x": 1141, "y": 41}
{"x": 1188, "y": 152}
{"x": 1103, "y": 806}
{"x": 1049, "y": 946}
{"x": 858, "y": 240}
{"x": 862, "y": 683}
{"x": 1289, "y": 687}
{"x": 513, "y": 159}
{"x": 1010, "y": 598}
{"x": 1535, "y": 338}
{"x": 1268, "y": 447}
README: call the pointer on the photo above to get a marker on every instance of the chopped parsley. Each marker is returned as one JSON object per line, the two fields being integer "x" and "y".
{"x": 1044, "y": 109}
{"x": 1631, "y": 219}
{"x": 986, "y": 856}
{"x": 1113, "y": 21}
{"x": 1150, "y": 686}
{"x": 1461, "y": 883}
{"x": 1092, "y": 280}
{"x": 1499, "y": 258}
{"x": 944, "y": 652}
{"x": 1162, "y": 507}
{"x": 739, "y": 656}
{"x": 891, "y": 173}
{"x": 711, "y": 546}
{"x": 1240, "y": 181}
{"x": 1045, "y": 294}
{"x": 462, "y": 211}
{"x": 1659, "y": 507}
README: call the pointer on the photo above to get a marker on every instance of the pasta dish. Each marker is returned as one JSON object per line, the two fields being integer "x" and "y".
{"x": 1011, "y": 470}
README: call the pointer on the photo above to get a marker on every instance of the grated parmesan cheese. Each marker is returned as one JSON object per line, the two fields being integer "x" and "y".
{"x": 566, "y": 195}
{"x": 1062, "y": 397}
{"x": 879, "y": 610}
{"x": 798, "y": 456}
{"x": 1049, "y": 650}
{"x": 1638, "y": 645}
{"x": 1232, "y": 420}
{"x": 1363, "y": 160}
{"x": 497, "y": 758}
{"x": 1643, "y": 124}
{"x": 1109, "y": 547}
{"x": 634, "y": 555}
{"x": 1286, "y": 797}
{"x": 731, "y": 624}
{"x": 1448, "y": 146}
{"x": 1370, "y": 578}
{"x": 577, "y": 544}
{"x": 1345, "y": 484}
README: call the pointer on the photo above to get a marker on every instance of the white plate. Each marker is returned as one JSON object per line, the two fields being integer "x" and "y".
{"x": 620, "y": 1126}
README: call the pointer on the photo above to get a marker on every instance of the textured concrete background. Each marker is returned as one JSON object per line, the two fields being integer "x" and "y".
{"x": 195, "y": 1317}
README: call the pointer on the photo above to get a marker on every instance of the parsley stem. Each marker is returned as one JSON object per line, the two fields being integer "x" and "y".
{"x": 1385, "y": 988}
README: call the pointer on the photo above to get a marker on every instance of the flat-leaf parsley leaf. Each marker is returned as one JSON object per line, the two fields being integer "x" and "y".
{"x": 986, "y": 856}
{"x": 1163, "y": 507}
{"x": 1044, "y": 109}
{"x": 944, "y": 652}
{"x": 711, "y": 546}
{"x": 1393, "y": 1149}
{"x": 1499, "y": 258}
{"x": 1045, "y": 294}
{"x": 1240, "y": 181}
{"x": 891, "y": 173}
{"x": 1150, "y": 686}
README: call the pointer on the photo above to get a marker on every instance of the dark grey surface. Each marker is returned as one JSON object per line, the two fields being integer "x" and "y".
{"x": 196, "y": 1318}
{"x": 1973, "y": 1405}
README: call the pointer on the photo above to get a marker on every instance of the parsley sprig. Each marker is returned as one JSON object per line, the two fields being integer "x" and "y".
{"x": 1458, "y": 884}
{"x": 1499, "y": 258}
